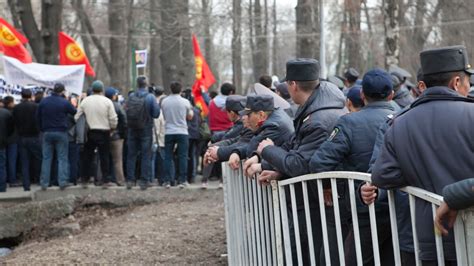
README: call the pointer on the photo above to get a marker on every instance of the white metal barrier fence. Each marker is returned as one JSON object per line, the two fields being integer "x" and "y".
{"x": 258, "y": 222}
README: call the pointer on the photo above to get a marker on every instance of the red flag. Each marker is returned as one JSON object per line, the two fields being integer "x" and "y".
{"x": 11, "y": 43}
{"x": 204, "y": 78}
{"x": 70, "y": 53}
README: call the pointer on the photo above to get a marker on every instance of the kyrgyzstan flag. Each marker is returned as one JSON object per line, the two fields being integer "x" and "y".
{"x": 204, "y": 78}
{"x": 12, "y": 43}
{"x": 70, "y": 53}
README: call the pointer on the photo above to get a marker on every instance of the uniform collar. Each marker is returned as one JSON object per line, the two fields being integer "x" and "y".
{"x": 379, "y": 104}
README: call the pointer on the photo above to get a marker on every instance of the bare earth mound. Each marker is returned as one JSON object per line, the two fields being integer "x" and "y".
{"x": 185, "y": 227}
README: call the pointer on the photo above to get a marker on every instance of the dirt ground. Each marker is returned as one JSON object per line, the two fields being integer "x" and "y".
{"x": 185, "y": 227}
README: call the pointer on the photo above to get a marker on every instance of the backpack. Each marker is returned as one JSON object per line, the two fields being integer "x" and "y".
{"x": 136, "y": 111}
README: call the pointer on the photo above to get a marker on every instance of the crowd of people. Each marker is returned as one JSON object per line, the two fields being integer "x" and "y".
{"x": 403, "y": 133}
{"x": 380, "y": 123}
{"x": 59, "y": 140}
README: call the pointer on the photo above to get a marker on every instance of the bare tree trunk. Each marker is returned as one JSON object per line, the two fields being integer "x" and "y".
{"x": 78, "y": 5}
{"x": 51, "y": 17}
{"x": 392, "y": 34}
{"x": 128, "y": 62}
{"x": 187, "y": 54}
{"x": 275, "y": 63}
{"x": 206, "y": 11}
{"x": 304, "y": 30}
{"x": 252, "y": 33}
{"x": 87, "y": 50}
{"x": 170, "y": 43}
{"x": 14, "y": 12}
{"x": 342, "y": 38}
{"x": 155, "y": 45}
{"x": 117, "y": 15}
{"x": 261, "y": 58}
{"x": 353, "y": 36}
{"x": 237, "y": 44}
{"x": 316, "y": 22}
{"x": 30, "y": 28}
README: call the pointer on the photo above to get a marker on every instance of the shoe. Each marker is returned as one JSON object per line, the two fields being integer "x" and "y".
{"x": 106, "y": 185}
{"x": 119, "y": 184}
{"x": 167, "y": 185}
{"x": 129, "y": 185}
{"x": 16, "y": 184}
{"x": 221, "y": 185}
{"x": 143, "y": 185}
{"x": 204, "y": 185}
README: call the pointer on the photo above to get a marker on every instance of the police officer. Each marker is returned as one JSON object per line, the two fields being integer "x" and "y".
{"x": 233, "y": 105}
{"x": 238, "y": 135}
{"x": 350, "y": 78}
{"x": 321, "y": 104}
{"x": 437, "y": 149}
{"x": 402, "y": 95}
{"x": 351, "y": 144}
{"x": 267, "y": 122}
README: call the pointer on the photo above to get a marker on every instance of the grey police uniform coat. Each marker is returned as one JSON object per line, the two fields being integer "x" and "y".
{"x": 314, "y": 122}
{"x": 459, "y": 195}
{"x": 429, "y": 146}
{"x": 351, "y": 145}
{"x": 278, "y": 127}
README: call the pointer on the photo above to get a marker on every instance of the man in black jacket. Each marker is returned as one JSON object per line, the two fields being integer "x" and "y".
{"x": 430, "y": 144}
{"x": 6, "y": 130}
{"x": 321, "y": 104}
{"x": 26, "y": 123}
{"x": 267, "y": 122}
{"x": 238, "y": 135}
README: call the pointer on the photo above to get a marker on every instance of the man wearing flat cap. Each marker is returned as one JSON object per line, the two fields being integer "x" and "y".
{"x": 350, "y": 78}
{"x": 266, "y": 122}
{"x": 236, "y": 136}
{"x": 321, "y": 104}
{"x": 429, "y": 145}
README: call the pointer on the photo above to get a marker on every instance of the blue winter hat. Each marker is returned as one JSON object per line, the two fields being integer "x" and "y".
{"x": 110, "y": 92}
{"x": 354, "y": 95}
{"x": 377, "y": 81}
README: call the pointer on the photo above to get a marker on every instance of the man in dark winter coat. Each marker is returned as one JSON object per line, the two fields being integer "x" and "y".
{"x": 430, "y": 144}
{"x": 266, "y": 122}
{"x": 321, "y": 104}
{"x": 6, "y": 130}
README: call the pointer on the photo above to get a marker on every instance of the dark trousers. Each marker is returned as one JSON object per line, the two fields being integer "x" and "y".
{"x": 316, "y": 232}
{"x": 345, "y": 216}
{"x": 385, "y": 243}
{"x": 99, "y": 139}
{"x": 3, "y": 169}
{"x": 73, "y": 155}
{"x": 30, "y": 159}
{"x": 139, "y": 142}
{"x": 182, "y": 142}
{"x": 192, "y": 159}
{"x": 12, "y": 156}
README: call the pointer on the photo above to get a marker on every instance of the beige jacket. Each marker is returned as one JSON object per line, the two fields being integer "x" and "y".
{"x": 159, "y": 128}
{"x": 100, "y": 112}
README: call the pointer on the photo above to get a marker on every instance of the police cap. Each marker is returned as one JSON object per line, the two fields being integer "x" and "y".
{"x": 235, "y": 103}
{"x": 351, "y": 74}
{"x": 446, "y": 59}
{"x": 257, "y": 103}
{"x": 377, "y": 81}
{"x": 354, "y": 95}
{"x": 302, "y": 69}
